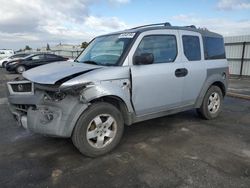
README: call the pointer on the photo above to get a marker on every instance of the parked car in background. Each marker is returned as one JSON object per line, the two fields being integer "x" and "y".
{"x": 6, "y": 53}
{"x": 32, "y": 61}
{"x": 11, "y": 58}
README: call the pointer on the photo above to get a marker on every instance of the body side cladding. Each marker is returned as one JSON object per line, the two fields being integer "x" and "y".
{"x": 162, "y": 113}
{"x": 214, "y": 76}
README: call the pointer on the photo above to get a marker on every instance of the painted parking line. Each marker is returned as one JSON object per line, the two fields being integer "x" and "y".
{"x": 239, "y": 89}
{"x": 245, "y": 80}
{"x": 3, "y": 101}
{"x": 237, "y": 95}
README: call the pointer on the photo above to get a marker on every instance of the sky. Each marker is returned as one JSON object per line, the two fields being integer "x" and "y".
{"x": 38, "y": 22}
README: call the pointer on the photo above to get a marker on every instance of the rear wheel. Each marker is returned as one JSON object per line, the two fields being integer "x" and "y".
{"x": 98, "y": 130}
{"x": 20, "y": 69}
{"x": 212, "y": 103}
{"x": 4, "y": 63}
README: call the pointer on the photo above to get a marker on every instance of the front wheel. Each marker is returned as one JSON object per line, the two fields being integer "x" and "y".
{"x": 20, "y": 69}
{"x": 98, "y": 130}
{"x": 212, "y": 103}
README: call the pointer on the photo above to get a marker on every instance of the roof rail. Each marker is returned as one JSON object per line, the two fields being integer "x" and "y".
{"x": 191, "y": 26}
{"x": 150, "y": 25}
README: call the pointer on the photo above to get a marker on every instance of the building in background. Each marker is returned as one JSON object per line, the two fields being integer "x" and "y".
{"x": 66, "y": 50}
{"x": 238, "y": 54}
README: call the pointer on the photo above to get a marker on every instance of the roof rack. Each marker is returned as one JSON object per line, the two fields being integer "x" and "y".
{"x": 150, "y": 25}
{"x": 191, "y": 26}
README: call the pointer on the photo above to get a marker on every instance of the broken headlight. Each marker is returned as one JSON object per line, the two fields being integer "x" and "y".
{"x": 54, "y": 96}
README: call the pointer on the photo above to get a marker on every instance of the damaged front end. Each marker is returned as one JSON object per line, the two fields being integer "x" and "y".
{"x": 53, "y": 108}
{"x": 45, "y": 109}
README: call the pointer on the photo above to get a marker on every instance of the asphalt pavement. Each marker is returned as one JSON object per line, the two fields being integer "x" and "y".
{"x": 239, "y": 87}
{"x": 180, "y": 150}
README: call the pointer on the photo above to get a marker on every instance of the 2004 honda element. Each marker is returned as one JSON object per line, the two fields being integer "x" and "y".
{"x": 122, "y": 78}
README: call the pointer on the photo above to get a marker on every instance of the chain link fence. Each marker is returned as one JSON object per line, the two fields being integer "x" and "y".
{"x": 66, "y": 53}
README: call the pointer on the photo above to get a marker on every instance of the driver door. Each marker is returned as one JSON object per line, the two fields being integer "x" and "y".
{"x": 157, "y": 87}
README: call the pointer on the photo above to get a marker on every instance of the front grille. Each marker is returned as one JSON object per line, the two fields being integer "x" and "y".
{"x": 24, "y": 87}
{"x": 21, "y": 87}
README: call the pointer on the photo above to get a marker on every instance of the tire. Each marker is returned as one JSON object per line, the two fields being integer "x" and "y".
{"x": 4, "y": 63}
{"x": 103, "y": 123}
{"x": 212, "y": 103}
{"x": 20, "y": 69}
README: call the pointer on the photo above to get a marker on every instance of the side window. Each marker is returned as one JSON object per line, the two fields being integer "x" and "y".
{"x": 37, "y": 57}
{"x": 192, "y": 49}
{"x": 163, "y": 47}
{"x": 51, "y": 56}
{"x": 214, "y": 48}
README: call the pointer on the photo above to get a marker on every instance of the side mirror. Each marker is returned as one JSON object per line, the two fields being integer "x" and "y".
{"x": 144, "y": 59}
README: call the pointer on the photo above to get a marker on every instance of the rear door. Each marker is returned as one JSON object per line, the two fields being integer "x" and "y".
{"x": 52, "y": 58}
{"x": 159, "y": 86}
{"x": 193, "y": 61}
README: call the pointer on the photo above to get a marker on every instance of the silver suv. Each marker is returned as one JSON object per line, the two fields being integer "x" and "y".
{"x": 122, "y": 78}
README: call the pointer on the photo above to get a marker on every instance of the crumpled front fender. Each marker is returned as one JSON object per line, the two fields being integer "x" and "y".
{"x": 116, "y": 88}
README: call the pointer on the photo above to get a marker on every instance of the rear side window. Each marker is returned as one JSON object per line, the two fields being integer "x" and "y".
{"x": 192, "y": 49}
{"x": 214, "y": 48}
{"x": 163, "y": 47}
{"x": 36, "y": 57}
{"x": 51, "y": 56}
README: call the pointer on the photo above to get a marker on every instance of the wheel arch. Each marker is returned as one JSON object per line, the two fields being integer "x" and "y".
{"x": 4, "y": 63}
{"x": 216, "y": 80}
{"x": 119, "y": 103}
{"x": 221, "y": 86}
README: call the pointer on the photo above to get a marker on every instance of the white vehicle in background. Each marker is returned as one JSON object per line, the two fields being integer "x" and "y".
{"x": 5, "y": 60}
{"x": 6, "y": 53}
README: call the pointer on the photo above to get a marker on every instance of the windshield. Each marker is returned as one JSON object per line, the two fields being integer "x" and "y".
{"x": 105, "y": 50}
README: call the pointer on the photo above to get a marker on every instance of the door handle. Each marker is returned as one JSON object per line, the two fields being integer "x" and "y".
{"x": 182, "y": 72}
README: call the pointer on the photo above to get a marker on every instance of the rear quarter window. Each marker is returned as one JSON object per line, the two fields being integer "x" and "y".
{"x": 192, "y": 49}
{"x": 51, "y": 56}
{"x": 214, "y": 48}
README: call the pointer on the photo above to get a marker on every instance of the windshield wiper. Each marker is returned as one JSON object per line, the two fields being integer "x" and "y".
{"x": 76, "y": 61}
{"x": 109, "y": 64}
{"x": 91, "y": 62}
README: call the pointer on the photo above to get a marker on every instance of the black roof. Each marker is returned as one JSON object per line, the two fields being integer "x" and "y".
{"x": 167, "y": 26}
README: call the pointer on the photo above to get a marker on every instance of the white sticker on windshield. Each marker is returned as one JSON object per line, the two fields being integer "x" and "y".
{"x": 126, "y": 35}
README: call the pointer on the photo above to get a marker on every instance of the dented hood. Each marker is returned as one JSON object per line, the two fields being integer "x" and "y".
{"x": 53, "y": 72}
